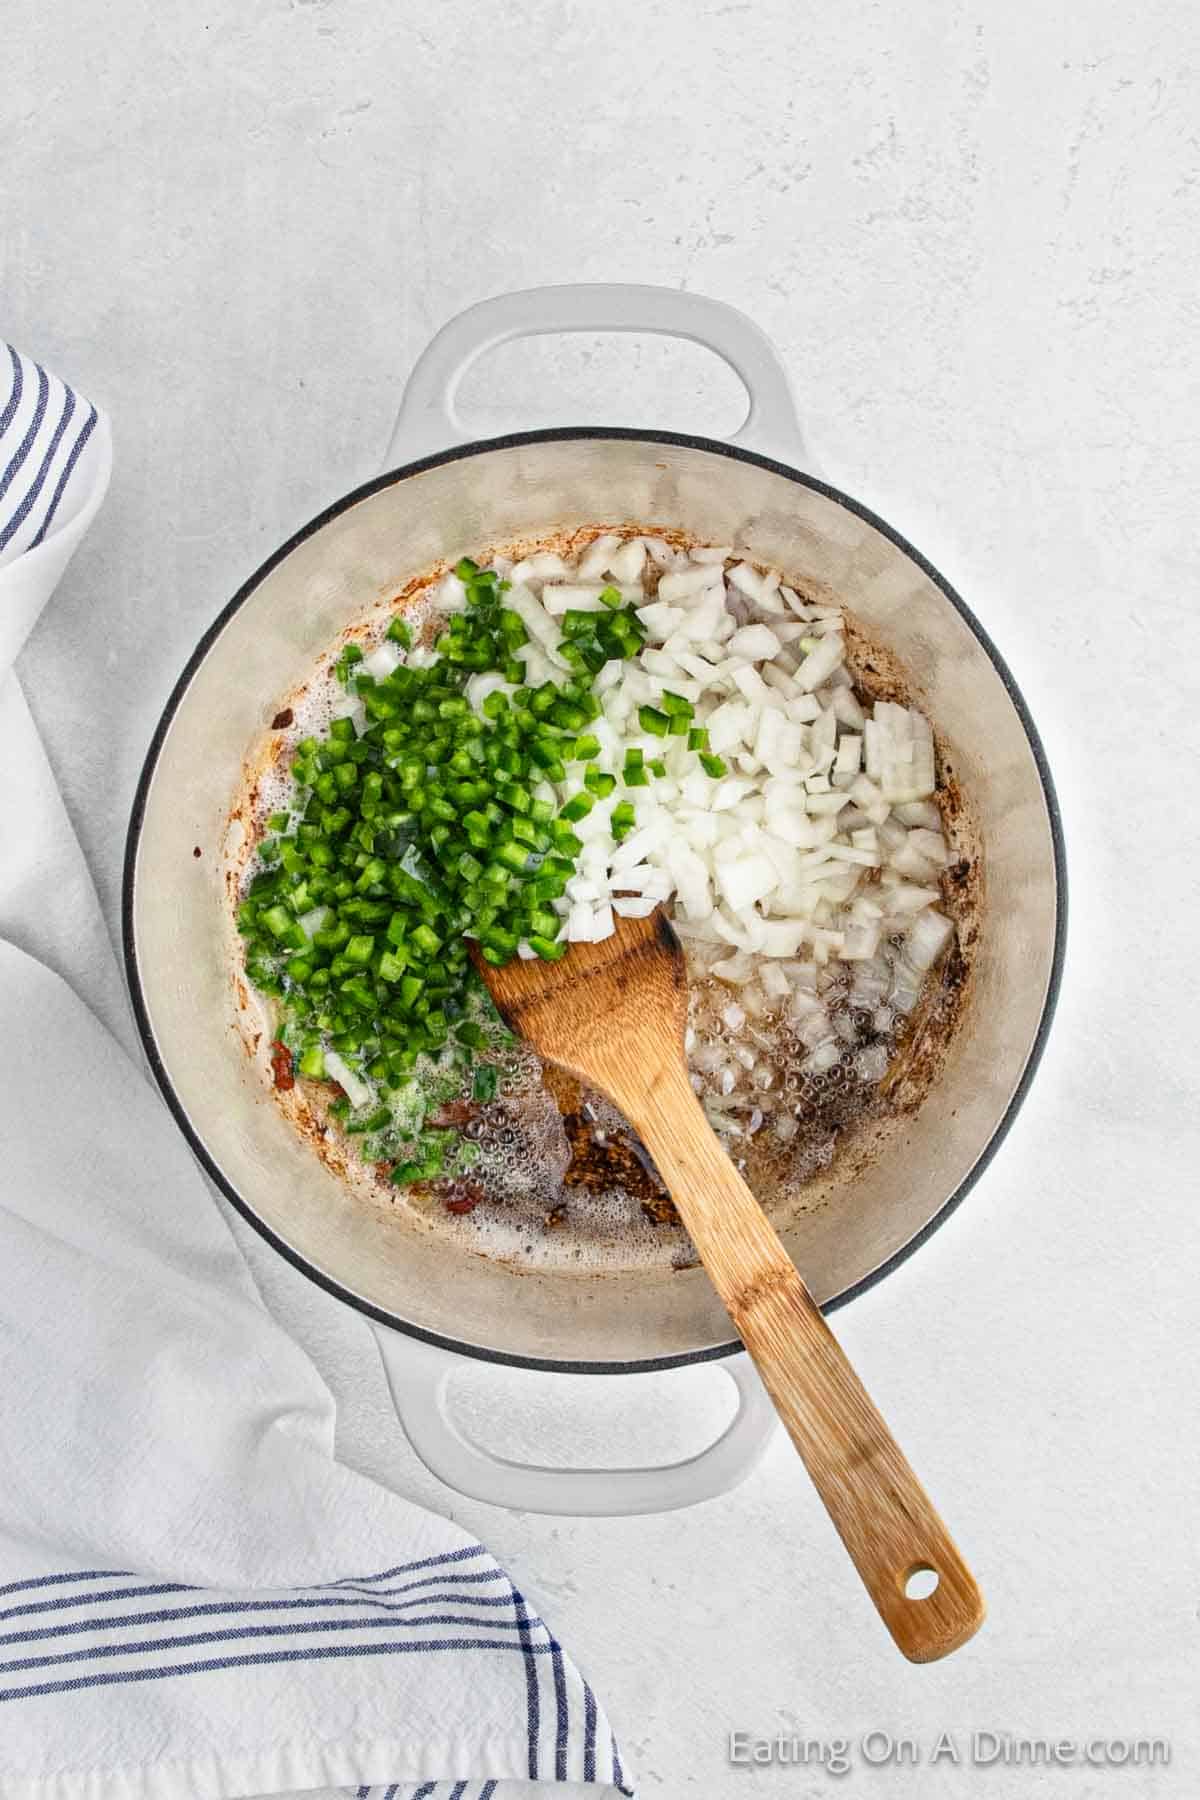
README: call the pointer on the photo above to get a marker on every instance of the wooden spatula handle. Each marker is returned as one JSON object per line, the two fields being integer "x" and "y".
{"x": 883, "y": 1514}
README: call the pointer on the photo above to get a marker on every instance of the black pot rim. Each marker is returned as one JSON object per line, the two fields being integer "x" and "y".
{"x": 460, "y": 453}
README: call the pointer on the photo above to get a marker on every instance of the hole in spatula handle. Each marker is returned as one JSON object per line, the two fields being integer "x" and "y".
{"x": 920, "y": 1582}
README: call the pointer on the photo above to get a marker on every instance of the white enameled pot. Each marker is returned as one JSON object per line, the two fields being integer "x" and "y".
{"x": 440, "y": 498}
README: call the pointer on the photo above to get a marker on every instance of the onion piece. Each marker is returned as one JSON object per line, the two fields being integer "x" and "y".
{"x": 356, "y": 1090}
{"x": 930, "y": 933}
{"x": 754, "y": 642}
{"x": 821, "y": 661}
{"x": 627, "y": 563}
{"x": 314, "y": 920}
{"x": 682, "y": 583}
{"x": 385, "y": 658}
{"x": 596, "y": 559}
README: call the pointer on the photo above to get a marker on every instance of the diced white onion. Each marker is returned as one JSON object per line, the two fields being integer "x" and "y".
{"x": 628, "y": 562}
{"x": 681, "y": 584}
{"x": 820, "y": 662}
{"x": 383, "y": 660}
{"x": 930, "y": 934}
{"x": 356, "y": 1090}
{"x": 635, "y": 906}
{"x": 596, "y": 559}
{"x": 754, "y": 642}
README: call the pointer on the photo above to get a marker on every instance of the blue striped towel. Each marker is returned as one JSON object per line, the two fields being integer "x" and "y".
{"x": 196, "y": 1598}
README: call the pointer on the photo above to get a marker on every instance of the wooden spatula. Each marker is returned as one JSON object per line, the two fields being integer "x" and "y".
{"x": 613, "y": 1014}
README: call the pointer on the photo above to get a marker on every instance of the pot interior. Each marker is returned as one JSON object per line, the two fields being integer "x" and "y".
{"x": 871, "y": 1204}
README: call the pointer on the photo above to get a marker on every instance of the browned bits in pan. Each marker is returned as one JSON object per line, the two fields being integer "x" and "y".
{"x": 453, "y": 1115}
{"x": 609, "y": 1159}
{"x": 282, "y": 1066}
{"x": 456, "y": 1194}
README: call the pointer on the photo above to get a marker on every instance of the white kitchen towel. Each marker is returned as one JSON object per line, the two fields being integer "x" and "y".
{"x": 196, "y": 1598}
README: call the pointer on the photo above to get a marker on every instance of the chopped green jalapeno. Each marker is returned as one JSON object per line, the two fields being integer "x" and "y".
{"x": 421, "y": 825}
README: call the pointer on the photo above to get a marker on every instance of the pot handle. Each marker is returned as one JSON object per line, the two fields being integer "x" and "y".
{"x": 419, "y": 1376}
{"x": 427, "y": 421}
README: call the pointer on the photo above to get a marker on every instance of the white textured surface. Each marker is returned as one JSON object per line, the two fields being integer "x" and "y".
{"x": 972, "y": 231}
